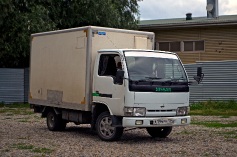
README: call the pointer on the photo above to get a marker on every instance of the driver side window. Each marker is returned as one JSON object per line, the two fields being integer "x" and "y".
{"x": 109, "y": 64}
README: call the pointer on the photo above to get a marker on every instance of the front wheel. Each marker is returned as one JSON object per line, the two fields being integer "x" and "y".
{"x": 161, "y": 132}
{"x": 105, "y": 130}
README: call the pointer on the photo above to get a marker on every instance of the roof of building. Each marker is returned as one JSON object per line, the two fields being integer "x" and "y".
{"x": 195, "y": 22}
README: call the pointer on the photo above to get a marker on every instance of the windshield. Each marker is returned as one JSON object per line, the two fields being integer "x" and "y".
{"x": 154, "y": 66}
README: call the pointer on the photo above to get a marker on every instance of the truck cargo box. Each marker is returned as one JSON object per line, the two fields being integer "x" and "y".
{"x": 62, "y": 62}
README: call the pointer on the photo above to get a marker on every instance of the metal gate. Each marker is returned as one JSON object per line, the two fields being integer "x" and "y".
{"x": 14, "y": 85}
{"x": 219, "y": 83}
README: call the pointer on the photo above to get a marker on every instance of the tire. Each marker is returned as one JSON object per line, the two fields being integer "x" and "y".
{"x": 55, "y": 122}
{"x": 161, "y": 132}
{"x": 105, "y": 130}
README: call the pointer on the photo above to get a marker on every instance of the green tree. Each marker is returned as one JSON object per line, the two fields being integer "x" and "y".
{"x": 20, "y": 18}
{"x": 109, "y": 13}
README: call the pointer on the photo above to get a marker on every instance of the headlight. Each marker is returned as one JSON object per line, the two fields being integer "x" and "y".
{"x": 134, "y": 111}
{"x": 141, "y": 111}
{"x": 182, "y": 111}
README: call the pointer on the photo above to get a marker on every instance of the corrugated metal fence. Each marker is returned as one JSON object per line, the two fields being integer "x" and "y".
{"x": 14, "y": 84}
{"x": 219, "y": 83}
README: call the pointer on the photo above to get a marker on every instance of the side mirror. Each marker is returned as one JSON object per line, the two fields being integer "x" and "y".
{"x": 119, "y": 77}
{"x": 199, "y": 71}
{"x": 199, "y": 76}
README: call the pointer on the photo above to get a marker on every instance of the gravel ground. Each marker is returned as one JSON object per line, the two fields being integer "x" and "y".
{"x": 27, "y": 135}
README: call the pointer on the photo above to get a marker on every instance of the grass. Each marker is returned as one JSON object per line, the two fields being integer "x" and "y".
{"x": 23, "y": 146}
{"x": 1, "y": 104}
{"x": 225, "y": 116}
{"x": 15, "y": 105}
{"x": 229, "y": 134}
{"x": 42, "y": 150}
{"x": 214, "y": 108}
{"x": 15, "y": 109}
{"x": 214, "y": 124}
{"x": 23, "y": 120}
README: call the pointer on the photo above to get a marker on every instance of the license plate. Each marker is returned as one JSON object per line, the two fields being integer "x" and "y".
{"x": 161, "y": 121}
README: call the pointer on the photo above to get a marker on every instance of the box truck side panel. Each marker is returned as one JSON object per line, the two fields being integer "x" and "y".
{"x": 58, "y": 69}
{"x": 118, "y": 40}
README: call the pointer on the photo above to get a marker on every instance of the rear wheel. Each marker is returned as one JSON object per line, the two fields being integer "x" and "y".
{"x": 161, "y": 132}
{"x": 105, "y": 130}
{"x": 55, "y": 122}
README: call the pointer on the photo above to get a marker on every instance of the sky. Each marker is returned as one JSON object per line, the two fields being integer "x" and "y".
{"x": 165, "y": 9}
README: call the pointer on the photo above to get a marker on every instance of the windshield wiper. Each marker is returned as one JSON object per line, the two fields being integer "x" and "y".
{"x": 142, "y": 80}
{"x": 147, "y": 79}
{"x": 177, "y": 79}
{"x": 154, "y": 78}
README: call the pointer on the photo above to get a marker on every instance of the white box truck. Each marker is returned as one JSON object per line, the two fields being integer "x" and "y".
{"x": 107, "y": 78}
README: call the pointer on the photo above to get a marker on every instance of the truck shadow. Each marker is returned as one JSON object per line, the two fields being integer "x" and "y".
{"x": 130, "y": 137}
{"x": 133, "y": 137}
{"x": 78, "y": 130}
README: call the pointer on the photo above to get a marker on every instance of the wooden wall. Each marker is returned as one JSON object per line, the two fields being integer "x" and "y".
{"x": 220, "y": 42}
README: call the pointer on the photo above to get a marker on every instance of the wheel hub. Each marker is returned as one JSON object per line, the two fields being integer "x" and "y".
{"x": 106, "y": 128}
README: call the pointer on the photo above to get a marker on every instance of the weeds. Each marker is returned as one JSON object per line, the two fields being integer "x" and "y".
{"x": 23, "y": 120}
{"x": 23, "y": 146}
{"x": 215, "y": 108}
{"x": 42, "y": 150}
{"x": 229, "y": 134}
{"x": 15, "y": 105}
{"x": 1, "y": 104}
{"x": 214, "y": 124}
{"x": 225, "y": 116}
{"x": 15, "y": 109}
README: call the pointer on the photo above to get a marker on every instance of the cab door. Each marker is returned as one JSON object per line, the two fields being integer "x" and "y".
{"x": 105, "y": 88}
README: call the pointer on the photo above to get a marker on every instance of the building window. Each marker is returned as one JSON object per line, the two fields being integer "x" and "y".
{"x": 199, "y": 45}
{"x": 184, "y": 46}
{"x": 175, "y": 46}
{"x": 188, "y": 46}
{"x": 164, "y": 46}
{"x": 193, "y": 45}
{"x": 169, "y": 46}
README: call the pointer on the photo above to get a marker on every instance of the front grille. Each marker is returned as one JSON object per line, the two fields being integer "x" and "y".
{"x": 161, "y": 110}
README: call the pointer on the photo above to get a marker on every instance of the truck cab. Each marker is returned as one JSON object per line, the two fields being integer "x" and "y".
{"x": 141, "y": 88}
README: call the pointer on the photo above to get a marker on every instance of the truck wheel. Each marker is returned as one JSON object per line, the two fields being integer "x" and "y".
{"x": 161, "y": 132}
{"x": 105, "y": 130}
{"x": 54, "y": 122}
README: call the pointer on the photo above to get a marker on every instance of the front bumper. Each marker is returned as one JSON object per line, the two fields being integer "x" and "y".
{"x": 155, "y": 121}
